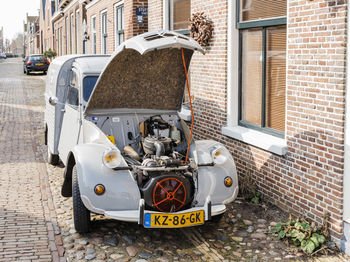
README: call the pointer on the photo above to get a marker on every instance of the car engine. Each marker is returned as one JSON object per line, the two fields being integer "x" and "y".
{"x": 166, "y": 182}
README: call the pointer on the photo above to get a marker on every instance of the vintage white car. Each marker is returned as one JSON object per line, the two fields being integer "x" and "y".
{"x": 114, "y": 122}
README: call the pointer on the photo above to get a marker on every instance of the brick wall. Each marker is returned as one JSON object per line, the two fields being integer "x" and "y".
{"x": 45, "y": 26}
{"x": 66, "y": 32}
{"x": 155, "y": 15}
{"x": 131, "y": 28}
{"x": 316, "y": 106}
{"x": 96, "y": 10}
{"x": 308, "y": 180}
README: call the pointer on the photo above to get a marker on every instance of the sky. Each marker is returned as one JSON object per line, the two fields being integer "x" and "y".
{"x": 12, "y": 14}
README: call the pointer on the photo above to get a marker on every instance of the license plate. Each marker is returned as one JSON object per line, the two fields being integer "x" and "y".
{"x": 39, "y": 64}
{"x": 174, "y": 220}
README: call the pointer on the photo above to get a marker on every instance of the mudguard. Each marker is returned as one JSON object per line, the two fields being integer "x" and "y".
{"x": 211, "y": 177}
{"x": 121, "y": 190}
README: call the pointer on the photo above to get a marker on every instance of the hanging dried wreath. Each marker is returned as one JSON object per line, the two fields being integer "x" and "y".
{"x": 201, "y": 28}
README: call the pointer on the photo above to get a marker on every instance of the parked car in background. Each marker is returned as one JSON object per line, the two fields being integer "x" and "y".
{"x": 35, "y": 63}
{"x": 3, "y": 55}
{"x": 127, "y": 152}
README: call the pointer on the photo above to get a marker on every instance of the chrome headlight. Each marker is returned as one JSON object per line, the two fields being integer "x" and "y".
{"x": 111, "y": 158}
{"x": 220, "y": 155}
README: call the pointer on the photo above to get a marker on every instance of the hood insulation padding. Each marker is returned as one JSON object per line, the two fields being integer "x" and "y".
{"x": 155, "y": 80}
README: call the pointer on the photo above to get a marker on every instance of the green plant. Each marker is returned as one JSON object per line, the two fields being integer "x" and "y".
{"x": 249, "y": 189}
{"x": 50, "y": 53}
{"x": 300, "y": 233}
{"x": 255, "y": 196}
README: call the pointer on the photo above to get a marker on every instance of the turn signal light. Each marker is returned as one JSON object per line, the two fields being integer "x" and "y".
{"x": 99, "y": 189}
{"x": 228, "y": 181}
{"x": 29, "y": 63}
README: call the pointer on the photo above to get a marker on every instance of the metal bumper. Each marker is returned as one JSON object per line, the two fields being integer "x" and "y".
{"x": 138, "y": 215}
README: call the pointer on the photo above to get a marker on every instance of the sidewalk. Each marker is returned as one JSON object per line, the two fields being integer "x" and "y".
{"x": 26, "y": 213}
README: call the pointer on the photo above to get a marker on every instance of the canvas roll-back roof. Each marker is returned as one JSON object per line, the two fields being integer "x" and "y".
{"x": 61, "y": 67}
{"x": 145, "y": 72}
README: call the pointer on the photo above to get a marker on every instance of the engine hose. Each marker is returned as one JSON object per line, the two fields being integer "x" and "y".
{"x": 160, "y": 150}
{"x": 189, "y": 95}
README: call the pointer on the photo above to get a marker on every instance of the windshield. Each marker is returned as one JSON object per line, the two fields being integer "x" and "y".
{"x": 37, "y": 58}
{"x": 89, "y": 84}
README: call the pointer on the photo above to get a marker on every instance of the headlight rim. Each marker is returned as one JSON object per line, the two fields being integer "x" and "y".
{"x": 115, "y": 163}
{"x": 222, "y": 157}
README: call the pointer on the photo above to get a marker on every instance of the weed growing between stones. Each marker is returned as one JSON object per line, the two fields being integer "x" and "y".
{"x": 248, "y": 188}
{"x": 302, "y": 233}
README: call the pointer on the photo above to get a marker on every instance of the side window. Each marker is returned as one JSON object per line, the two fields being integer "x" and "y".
{"x": 73, "y": 91}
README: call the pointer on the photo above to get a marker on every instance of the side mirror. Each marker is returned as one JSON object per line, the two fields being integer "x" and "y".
{"x": 53, "y": 100}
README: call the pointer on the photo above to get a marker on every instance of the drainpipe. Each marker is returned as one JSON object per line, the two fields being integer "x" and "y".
{"x": 345, "y": 244}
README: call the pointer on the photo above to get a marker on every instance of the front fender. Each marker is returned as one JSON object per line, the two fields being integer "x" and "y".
{"x": 121, "y": 190}
{"x": 211, "y": 178}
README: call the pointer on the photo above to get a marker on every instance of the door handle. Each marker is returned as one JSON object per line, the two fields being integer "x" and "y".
{"x": 63, "y": 110}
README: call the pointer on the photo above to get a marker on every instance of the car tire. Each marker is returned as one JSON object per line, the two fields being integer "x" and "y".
{"x": 27, "y": 72}
{"x": 80, "y": 213}
{"x": 45, "y": 72}
{"x": 217, "y": 218}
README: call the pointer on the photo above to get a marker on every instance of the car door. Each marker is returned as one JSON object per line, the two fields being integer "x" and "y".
{"x": 71, "y": 118}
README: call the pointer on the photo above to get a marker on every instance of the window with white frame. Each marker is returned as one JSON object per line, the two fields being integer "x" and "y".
{"x": 77, "y": 31}
{"x": 179, "y": 15}
{"x": 262, "y": 64}
{"x": 72, "y": 30}
{"x": 66, "y": 34}
{"x": 93, "y": 34}
{"x": 119, "y": 24}
{"x": 104, "y": 32}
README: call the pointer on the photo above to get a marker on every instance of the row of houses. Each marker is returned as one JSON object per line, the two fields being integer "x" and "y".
{"x": 1, "y": 40}
{"x": 272, "y": 86}
{"x": 31, "y": 38}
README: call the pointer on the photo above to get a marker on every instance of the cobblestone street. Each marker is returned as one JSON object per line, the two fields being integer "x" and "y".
{"x": 36, "y": 221}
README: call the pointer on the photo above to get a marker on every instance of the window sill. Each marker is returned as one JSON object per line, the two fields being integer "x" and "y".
{"x": 264, "y": 141}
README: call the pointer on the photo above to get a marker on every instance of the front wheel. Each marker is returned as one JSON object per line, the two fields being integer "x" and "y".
{"x": 27, "y": 72}
{"x": 80, "y": 212}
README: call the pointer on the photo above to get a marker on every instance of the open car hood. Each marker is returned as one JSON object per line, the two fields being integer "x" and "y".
{"x": 145, "y": 72}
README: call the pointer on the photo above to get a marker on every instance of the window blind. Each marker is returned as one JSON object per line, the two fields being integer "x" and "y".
{"x": 275, "y": 77}
{"x": 181, "y": 14}
{"x": 252, "y": 75}
{"x": 262, "y": 9}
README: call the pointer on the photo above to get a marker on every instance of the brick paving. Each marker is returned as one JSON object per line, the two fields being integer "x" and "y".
{"x": 27, "y": 225}
{"x": 36, "y": 221}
